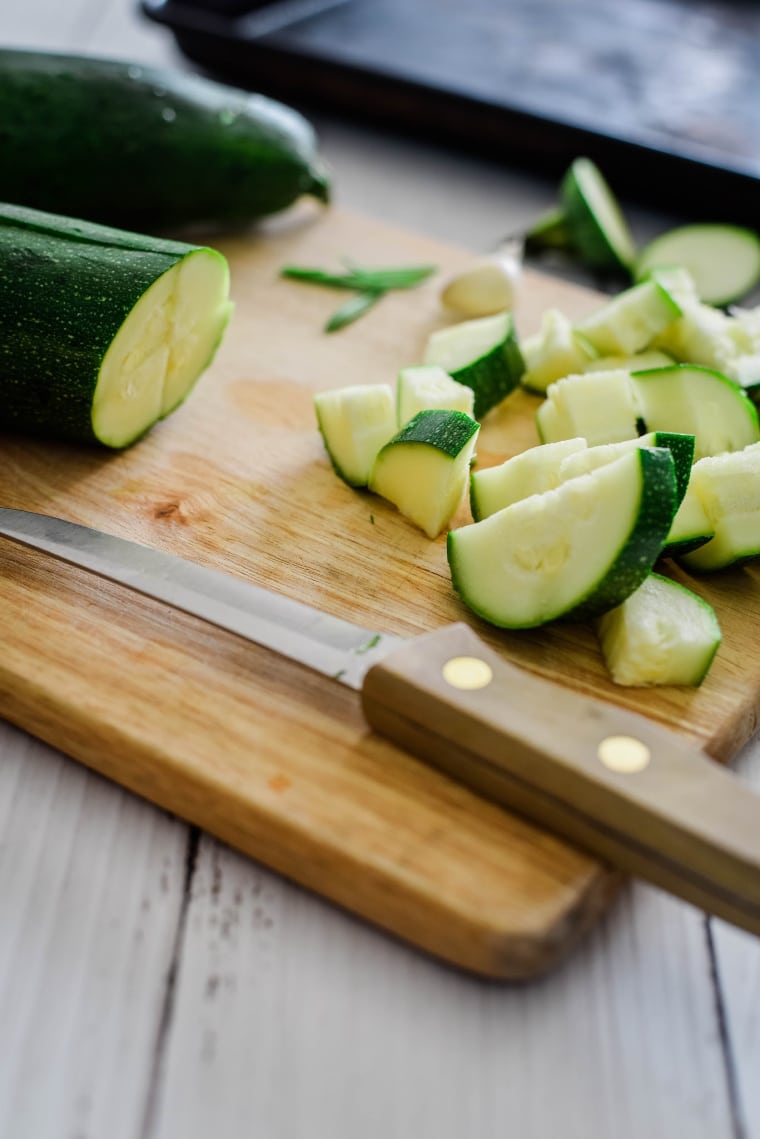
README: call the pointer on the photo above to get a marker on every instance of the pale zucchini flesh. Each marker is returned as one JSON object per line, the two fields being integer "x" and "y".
{"x": 355, "y": 422}
{"x": 728, "y": 490}
{"x": 573, "y": 552}
{"x": 164, "y": 344}
{"x": 691, "y": 527}
{"x": 424, "y": 469}
{"x": 484, "y": 354}
{"x": 555, "y": 351}
{"x": 428, "y": 387}
{"x": 663, "y": 634}
{"x": 722, "y": 260}
{"x": 697, "y": 401}
{"x": 531, "y": 472}
{"x": 600, "y": 407}
{"x": 629, "y": 322}
{"x": 637, "y": 362}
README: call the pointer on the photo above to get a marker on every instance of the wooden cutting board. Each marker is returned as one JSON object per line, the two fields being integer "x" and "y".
{"x": 255, "y": 749}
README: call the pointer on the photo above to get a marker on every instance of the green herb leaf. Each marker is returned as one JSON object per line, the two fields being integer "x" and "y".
{"x": 352, "y": 310}
{"x": 368, "y": 284}
{"x": 401, "y": 277}
{"x": 320, "y": 277}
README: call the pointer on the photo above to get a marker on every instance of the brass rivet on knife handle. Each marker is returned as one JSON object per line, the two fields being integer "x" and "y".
{"x": 624, "y": 754}
{"x": 467, "y": 673}
{"x": 566, "y": 761}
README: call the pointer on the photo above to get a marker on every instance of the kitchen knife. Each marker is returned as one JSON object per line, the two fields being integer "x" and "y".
{"x": 619, "y": 785}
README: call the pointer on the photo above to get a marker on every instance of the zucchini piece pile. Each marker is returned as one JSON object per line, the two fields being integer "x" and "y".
{"x": 102, "y": 332}
{"x": 589, "y": 224}
{"x": 649, "y": 449}
{"x": 146, "y": 148}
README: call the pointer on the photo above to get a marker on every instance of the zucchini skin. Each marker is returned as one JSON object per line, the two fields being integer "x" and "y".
{"x": 66, "y": 288}
{"x": 144, "y": 148}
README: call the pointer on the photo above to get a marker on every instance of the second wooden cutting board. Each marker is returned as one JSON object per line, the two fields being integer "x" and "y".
{"x": 255, "y": 749}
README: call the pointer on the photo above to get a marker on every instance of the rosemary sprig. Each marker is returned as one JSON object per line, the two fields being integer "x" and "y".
{"x": 368, "y": 284}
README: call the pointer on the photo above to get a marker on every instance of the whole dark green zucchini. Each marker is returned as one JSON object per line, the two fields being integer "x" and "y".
{"x": 102, "y": 332}
{"x": 145, "y": 148}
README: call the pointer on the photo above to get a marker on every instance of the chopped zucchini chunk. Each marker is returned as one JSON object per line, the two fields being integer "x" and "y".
{"x": 680, "y": 446}
{"x": 691, "y": 527}
{"x": 484, "y": 354}
{"x": 427, "y": 388}
{"x": 594, "y": 221}
{"x": 723, "y": 260}
{"x": 630, "y": 321}
{"x": 600, "y": 407}
{"x": 728, "y": 489}
{"x": 699, "y": 402}
{"x": 355, "y": 422}
{"x": 532, "y": 472}
{"x": 573, "y": 552}
{"x": 423, "y": 470}
{"x": 554, "y": 352}
{"x": 662, "y": 634}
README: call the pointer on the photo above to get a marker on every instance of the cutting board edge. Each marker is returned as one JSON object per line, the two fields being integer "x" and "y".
{"x": 473, "y": 943}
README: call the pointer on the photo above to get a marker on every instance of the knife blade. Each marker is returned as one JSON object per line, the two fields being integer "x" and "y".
{"x": 615, "y": 783}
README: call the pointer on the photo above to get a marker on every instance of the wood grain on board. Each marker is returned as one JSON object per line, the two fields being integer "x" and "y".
{"x": 255, "y": 749}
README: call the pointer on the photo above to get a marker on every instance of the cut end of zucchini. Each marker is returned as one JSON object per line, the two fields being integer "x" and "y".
{"x": 161, "y": 349}
{"x": 662, "y": 634}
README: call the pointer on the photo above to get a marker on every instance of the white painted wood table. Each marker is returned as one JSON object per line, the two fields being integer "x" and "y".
{"x": 154, "y": 984}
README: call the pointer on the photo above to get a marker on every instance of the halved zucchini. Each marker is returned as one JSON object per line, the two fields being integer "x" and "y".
{"x": 103, "y": 332}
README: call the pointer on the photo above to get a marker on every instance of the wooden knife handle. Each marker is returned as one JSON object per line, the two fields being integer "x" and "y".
{"x": 622, "y": 787}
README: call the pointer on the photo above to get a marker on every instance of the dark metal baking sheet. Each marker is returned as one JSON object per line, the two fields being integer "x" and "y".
{"x": 664, "y": 94}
